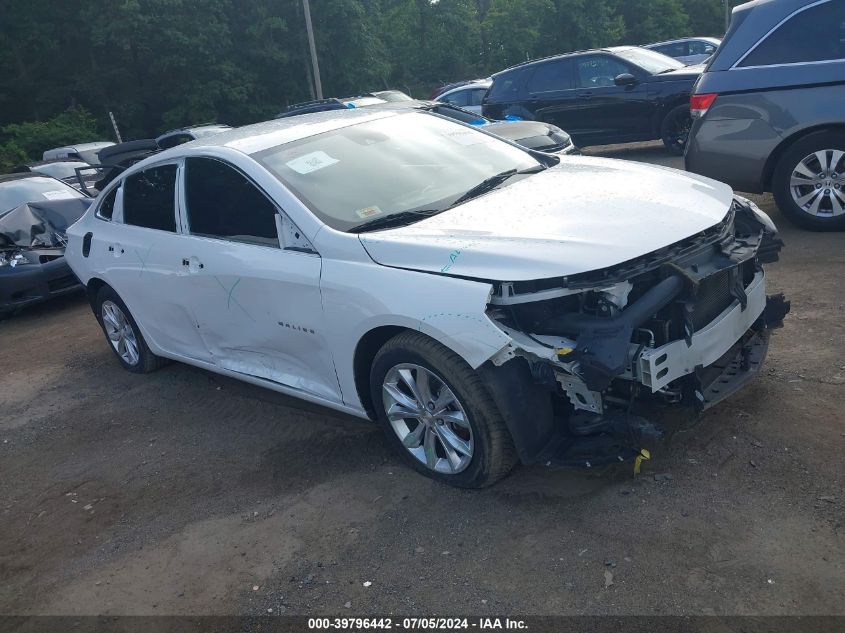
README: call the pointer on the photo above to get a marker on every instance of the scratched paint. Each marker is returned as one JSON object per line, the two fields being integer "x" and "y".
{"x": 230, "y": 296}
{"x": 143, "y": 259}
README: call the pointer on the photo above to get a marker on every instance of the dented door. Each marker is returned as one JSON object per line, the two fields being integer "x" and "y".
{"x": 258, "y": 311}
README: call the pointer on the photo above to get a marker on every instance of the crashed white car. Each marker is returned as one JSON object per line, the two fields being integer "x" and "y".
{"x": 484, "y": 303}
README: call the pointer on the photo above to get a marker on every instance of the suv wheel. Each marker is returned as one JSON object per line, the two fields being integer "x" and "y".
{"x": 809, "y": 182}
{"x": 675, "y": 129}
{"x": 438, "y": 414}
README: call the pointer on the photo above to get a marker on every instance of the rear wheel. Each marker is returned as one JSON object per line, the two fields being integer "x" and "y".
{"x": 438, "y": 414}
{"x": 123, "y": 335}
{"x": 675, "y": 129}
{"x": 809, "y": 182}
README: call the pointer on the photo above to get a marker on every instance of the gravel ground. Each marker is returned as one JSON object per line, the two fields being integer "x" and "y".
{"x": 183, "y": 492}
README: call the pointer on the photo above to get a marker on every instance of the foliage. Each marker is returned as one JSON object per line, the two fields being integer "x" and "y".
{"x": 164, "y": 63}
{"x": 27, "y": 141}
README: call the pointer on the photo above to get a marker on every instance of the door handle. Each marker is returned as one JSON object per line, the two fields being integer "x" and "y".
{"x": 585, "y": 95}
{"x": 192, "y": 264}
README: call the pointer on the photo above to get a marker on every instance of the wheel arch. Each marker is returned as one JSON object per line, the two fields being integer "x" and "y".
{"x": 776, "y": 154}
{"x": 92, "y": 288}
{"x": 365, "y": 352}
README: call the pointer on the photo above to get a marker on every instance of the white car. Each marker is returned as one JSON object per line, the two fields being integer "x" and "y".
{"x": 468, "y": 96}
{"x": 485, "y": 303}
{"x": 689, "y": 50}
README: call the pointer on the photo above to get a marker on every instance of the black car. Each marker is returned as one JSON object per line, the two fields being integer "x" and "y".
{"x": 536, "y": 135}
{"x": 35, "y": 211}
{"x": 770, "y": 109}
{"x": 612, "y": 95}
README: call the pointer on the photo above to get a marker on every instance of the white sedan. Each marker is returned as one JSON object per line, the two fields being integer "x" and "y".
{"x": 484, "y": 303}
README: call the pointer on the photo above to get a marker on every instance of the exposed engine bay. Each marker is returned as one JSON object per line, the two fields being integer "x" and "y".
{"x": 684, "y": 326}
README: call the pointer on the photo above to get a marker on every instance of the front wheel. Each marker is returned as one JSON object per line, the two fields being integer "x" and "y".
{"x": 438, "y": 414}
{"x": 809, "y": 182}
{"x": 675, "y": 129}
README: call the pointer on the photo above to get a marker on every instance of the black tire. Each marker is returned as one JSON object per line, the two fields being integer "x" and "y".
{"x": 147, "y": 361}
{"x": 493, "y": 454}
{"x": 675, "y": 129}
{"x": 782, "y": 175}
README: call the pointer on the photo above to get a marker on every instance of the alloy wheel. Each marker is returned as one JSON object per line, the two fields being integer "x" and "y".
{"x": 428, "y": 418}
{"x": 817, "y": 183}
{"x": 120, "y": 333}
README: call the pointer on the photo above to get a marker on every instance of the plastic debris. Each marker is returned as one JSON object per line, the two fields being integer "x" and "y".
{"x": 608, "y": 578}
{"x": 367, "y": 583}
{"x": 644, "y": 455}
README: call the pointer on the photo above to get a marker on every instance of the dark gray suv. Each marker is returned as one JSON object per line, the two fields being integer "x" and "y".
{"x": 769, "y": 110}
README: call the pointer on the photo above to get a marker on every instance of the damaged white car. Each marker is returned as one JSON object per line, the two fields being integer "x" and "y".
{"x": 484, "y": 303}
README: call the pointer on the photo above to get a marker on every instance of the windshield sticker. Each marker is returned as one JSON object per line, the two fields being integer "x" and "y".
{"x": 58, "y": 195}
{"x": 466, "y": 137}
{"x": 368, "y": 212}
{"x": 313, "y": 161}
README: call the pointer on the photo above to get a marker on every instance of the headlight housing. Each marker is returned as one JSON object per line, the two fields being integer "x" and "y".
{"x": 12, "y": 259}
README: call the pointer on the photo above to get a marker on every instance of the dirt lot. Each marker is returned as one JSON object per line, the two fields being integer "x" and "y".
{"x": 185, "y": 492}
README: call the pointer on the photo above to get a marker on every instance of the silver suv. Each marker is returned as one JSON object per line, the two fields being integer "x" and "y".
{"x": 769, "y": 110}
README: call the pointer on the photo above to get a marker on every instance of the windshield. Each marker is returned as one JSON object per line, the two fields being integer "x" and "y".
{"x": 14, "y": 193}
{"x": 60, "y": 170}
{"x": 650, "y": 61}
{"x": 375, "y": 169}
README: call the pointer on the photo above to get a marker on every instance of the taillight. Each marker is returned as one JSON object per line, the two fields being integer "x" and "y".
{"x": 700, "y": 104}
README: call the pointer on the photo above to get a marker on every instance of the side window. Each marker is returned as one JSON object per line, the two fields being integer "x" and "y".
{"x": 551, "y": 76}
{"x": 149, "y": 198}
{"x": 107, "y": 205}
{"x": 459, "y": 98}
{"x": 678, "y": 49}
{"x": 221, "y": 202}
{"x": 598, "y": 71}
{"x": 816, "y": 34}
{"x": 475, "y": 96}
{"x": 701, "y": 48}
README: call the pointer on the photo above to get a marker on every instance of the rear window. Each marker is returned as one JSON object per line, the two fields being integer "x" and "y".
{"x": 505, "y": 86}
{"x": 815, "y": 34}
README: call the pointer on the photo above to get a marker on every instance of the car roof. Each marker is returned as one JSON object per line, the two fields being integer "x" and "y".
{"x": 472, "y": 85}
{"x": 260, "y": 136}
{"x": 194, "y": 128}
{"x": 712, "y": 40}
{"x": 541, "y": 60}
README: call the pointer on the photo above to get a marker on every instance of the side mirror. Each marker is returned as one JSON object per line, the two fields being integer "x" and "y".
{"x": 625, "y": 79}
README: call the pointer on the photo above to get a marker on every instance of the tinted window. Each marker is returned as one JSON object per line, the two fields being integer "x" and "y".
{"x": 505, "y": 86}
{"x": 107, "y": 205}
{"x": 551, "y": 76}
{"x": 149, "y": 199}
{"x": 222, "y": 202}
{"x": 599, "y": 71}
{"x": 815, "y": 34}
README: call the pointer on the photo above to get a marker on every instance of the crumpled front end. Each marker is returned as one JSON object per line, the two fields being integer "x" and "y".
{"x": 685, "y": 326}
